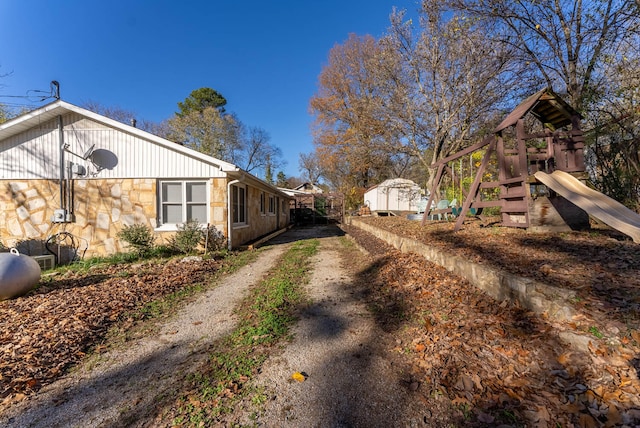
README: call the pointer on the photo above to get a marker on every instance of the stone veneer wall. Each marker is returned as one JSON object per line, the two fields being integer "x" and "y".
{"x": 258, "y": 224}
{"x": 101, "y": 209}
{"x": 218, "y": 204}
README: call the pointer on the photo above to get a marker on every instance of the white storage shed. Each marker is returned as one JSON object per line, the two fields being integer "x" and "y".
{"x": 397, "y": 194}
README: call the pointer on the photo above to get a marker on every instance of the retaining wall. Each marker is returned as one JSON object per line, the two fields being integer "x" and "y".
{"x": 536, "y": 296}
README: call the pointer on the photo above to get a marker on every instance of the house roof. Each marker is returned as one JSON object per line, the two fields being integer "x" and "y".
{"x": 51, "y": 111}
{"x": 57, "y": 108}
{"x": 546, "y": 106}
{"x": 307, "y": 186}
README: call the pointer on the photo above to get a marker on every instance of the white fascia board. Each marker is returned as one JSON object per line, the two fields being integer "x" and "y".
{"x": 247, "y": 178}
{"x": 29, "y": 120}
{"x": 224, "y": 166}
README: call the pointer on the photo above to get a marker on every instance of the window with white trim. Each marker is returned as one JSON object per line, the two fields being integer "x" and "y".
{"x": 239, "y": 204}
{"x": 181, "y": 201}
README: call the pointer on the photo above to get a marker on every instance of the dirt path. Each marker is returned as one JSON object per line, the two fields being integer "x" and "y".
{"x": 121, "y": 386}
{"x": 351, "y": 381}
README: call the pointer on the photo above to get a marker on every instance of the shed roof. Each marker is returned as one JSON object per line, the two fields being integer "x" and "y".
{"x": 395, "y": 183}
{"x": 546, "y": 106}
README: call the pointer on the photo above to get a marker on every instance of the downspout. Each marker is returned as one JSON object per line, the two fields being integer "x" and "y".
{"x": 230, "y": 212}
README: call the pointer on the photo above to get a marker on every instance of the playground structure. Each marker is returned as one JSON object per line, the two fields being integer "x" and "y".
{"x": 540, "y": 185}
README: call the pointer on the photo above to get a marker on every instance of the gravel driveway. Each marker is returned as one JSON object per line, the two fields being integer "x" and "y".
{"x": 351, "y": 380}
{"x": 122, "y": 385}
{"x": 336, "y": 343}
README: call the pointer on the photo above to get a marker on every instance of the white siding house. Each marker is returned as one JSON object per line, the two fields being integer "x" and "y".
{"x": 64, "y": 168}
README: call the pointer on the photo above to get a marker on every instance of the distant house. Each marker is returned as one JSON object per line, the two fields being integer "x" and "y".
{"x": 393, "y": 195}
{"x": 311, "y": 205}
{"x": 307, "y": 188}
{"x": 66, "y": 169}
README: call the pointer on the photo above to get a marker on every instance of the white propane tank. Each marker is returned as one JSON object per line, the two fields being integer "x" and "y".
{"x": 18, "y": 274}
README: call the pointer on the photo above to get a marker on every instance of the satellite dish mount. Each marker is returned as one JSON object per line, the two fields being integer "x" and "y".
{"x": 86, "y": 154}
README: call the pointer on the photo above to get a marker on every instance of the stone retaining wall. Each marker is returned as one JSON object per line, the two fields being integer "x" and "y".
{"x": 536, "y": 296}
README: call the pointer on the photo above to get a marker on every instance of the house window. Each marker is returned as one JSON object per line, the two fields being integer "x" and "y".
{"x": 272, "y": 204}
{"x": 181, "y": 201}
{"x": 262, "y": 203}
{"x": 239, "y": 202}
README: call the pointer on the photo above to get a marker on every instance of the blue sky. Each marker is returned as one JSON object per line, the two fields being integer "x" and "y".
{"x": 264, "y": 57}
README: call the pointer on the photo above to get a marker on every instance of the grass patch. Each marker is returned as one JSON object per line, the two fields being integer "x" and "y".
{"x": 266, "y": 316}
{"x": 596, "y": 332}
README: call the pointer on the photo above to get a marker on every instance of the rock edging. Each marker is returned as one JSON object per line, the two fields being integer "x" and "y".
{"x": 533, "y": 295}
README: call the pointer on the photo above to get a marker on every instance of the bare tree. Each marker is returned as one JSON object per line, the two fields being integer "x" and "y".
{"x": 310, "y": 167}
{"x": 447, "y": 81}
{"x": 257, "y": 152}
{"x": 5, "y": 114}
{"x": 127, "y": 117}
{"x": 115, "y": 113}
{"x": 614, "y": 138}
{"x": 566, "y": 44}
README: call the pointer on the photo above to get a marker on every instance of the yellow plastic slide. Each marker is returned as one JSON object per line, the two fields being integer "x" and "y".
{"x": 594, "y": 203}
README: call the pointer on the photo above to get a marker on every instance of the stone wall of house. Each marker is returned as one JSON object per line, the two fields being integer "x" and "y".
{"x": 101, "y": 208}
{"x": 258, "y": 224}
{"x": 218, "y": 205}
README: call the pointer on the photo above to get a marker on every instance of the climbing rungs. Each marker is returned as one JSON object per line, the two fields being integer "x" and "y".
{"x": 518, "y": 206}
{"x": 486, "y": 204}
{"x": 514, "y": 192}
{"x": 509, "y": 223}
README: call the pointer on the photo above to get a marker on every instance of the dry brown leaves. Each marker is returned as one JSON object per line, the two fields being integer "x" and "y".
{"x": 496, "y": 363}
{"x": 601, "y": 266}
{"x": 46, "y": 331}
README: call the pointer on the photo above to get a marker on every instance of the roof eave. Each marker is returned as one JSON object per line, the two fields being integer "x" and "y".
{"x": 59, "y": 107}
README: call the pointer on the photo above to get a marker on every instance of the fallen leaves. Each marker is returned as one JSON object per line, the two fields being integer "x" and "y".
{"x": 299, "y": 376}
{"x": 506, "y": 364}
{"x": 54, "y": 326}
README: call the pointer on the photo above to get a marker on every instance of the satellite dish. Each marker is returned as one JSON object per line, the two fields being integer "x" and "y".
{"x": 103, "y": 159}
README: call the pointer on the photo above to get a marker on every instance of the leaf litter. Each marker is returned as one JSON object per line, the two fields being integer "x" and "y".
{"x": 498, "y": 363}
{"x": 47, "y": 331}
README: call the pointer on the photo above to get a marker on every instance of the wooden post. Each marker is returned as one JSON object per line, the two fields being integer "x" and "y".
{"x": 522, "y": 148}
{"x": 435, "y": 185}
{"x": 475, "y": 186}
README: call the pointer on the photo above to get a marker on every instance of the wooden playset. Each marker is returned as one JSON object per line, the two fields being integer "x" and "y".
{"x": 540, "y": 185}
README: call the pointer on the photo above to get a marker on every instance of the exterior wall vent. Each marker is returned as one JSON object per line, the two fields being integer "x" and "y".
{"x": 46, "y": 262}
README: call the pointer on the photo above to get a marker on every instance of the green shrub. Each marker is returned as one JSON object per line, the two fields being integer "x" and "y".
{"x": 163, "y": 251}
{"x": 192, "y": 234}
{"x": 139, "y": 236}
{"x": 187, "y": 238}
